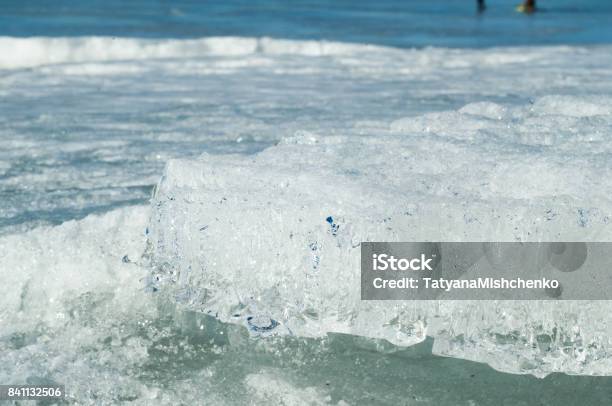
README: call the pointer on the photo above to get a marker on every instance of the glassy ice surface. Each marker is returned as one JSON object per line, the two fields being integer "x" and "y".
{"x": 230, "y": 284}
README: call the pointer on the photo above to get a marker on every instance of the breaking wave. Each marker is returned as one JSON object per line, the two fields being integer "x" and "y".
{"x": 44, "y": 50}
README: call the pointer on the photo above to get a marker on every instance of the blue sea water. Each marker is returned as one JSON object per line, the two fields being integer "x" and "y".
{"x": 400, "y": 23}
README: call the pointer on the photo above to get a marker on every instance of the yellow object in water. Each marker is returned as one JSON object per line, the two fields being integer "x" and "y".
{"x": 521, "y": 8}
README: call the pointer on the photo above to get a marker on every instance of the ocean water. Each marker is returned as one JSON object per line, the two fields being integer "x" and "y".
{"x": 405, "y": 24}
{"x": 167, "y": 169}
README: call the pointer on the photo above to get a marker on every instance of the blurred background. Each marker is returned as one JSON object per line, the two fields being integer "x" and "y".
{"x": 400, "y": 23}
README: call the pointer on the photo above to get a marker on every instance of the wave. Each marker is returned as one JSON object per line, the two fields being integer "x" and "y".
{"x": 37, "y": 51}
{"x": 40, "y": 51}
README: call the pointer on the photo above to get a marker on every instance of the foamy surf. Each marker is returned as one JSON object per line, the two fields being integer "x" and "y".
{"x": 40, "y": 51}
{"x": 89, "y": 125}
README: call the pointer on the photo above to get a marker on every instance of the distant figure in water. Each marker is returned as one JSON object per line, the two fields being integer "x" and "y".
{"x": 528, "y": 6}
{"x": 481, "y": 6}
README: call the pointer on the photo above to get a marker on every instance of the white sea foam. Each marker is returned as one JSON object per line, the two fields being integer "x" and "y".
{"x": 67, "y": 288}
{"x": 37, "y": 51}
